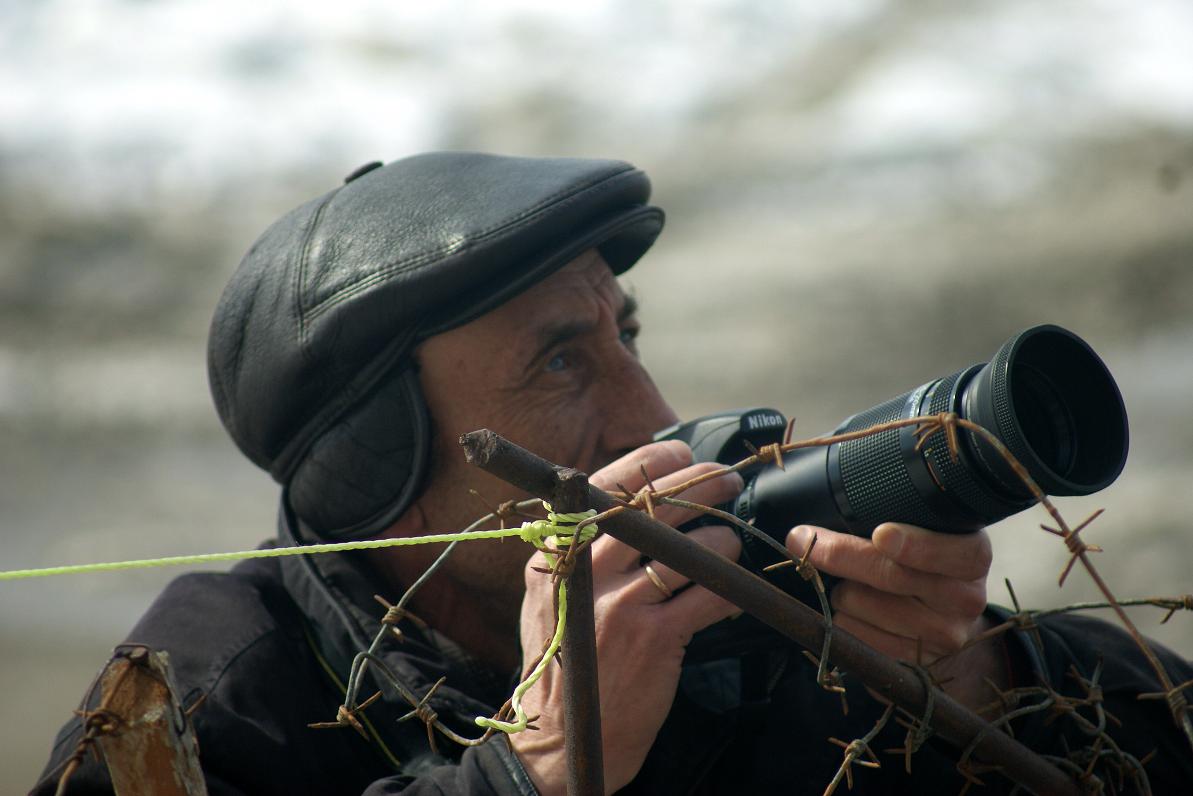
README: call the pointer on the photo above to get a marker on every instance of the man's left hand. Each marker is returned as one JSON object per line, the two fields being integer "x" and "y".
{"x": 916, "y": 595}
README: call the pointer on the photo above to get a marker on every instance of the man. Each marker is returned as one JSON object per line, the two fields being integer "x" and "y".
{"x": 363, "y": 333}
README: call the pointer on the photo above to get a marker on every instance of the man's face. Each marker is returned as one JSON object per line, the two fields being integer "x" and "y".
{"x": 555, "y": 370}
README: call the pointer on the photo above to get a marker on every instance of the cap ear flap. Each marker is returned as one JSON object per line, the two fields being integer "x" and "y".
{"x": 369, "y": 465}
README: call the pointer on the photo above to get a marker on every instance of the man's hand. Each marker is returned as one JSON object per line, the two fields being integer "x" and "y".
{"x": 911, "y": 592}
{"x": 641, "y": 632}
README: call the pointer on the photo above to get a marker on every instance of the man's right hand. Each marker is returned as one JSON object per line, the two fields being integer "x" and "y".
{"x": 641, "y": 632}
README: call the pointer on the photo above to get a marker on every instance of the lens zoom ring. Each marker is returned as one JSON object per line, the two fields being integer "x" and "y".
{"x": 956, "y": 477}
{"x": 875, "y": 477}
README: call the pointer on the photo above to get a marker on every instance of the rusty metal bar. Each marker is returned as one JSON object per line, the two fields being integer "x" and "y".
{"x": 581, "y": 695}
{"x": 950, "y": 720}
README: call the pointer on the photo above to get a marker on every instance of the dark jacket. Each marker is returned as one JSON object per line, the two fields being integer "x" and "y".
{"x": 270, "y": 644}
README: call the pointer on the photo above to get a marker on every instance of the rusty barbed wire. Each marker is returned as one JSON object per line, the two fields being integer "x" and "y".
{"x": 947, "y": 424}
{"x": 802, "y": 565}
{"x": 919, "y": 728}
{"x": 102, "y": 721}
{"x": 350, "y": 709}
{"x": 1012, "y": 704}
{"x": 855, "y": 750}
{"x": 1177, "y": 704}
{"x": 96, "y": 723}
{"x": 1081, "y": 762}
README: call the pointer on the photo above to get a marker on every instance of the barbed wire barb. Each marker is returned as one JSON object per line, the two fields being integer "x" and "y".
{"x": 855, "y": 750}
{"x": 1010, "y": 704}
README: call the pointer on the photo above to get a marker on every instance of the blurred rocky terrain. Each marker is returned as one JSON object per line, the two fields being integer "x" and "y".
{"x": 859, "y": 200}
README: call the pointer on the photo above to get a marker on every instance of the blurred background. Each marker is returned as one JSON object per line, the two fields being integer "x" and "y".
{"x": 862, "y": 196}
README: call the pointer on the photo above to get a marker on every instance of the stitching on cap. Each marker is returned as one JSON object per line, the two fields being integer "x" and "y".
{"x": 516, "y": 223}
{"x": 301, "y": 271}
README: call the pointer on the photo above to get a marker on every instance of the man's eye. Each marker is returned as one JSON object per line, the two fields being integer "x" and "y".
{"x": 558, "y": 362}
{"x": 629, "y": 337}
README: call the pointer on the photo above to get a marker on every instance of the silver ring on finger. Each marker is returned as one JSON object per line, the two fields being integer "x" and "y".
{"x": 654, "y": 578}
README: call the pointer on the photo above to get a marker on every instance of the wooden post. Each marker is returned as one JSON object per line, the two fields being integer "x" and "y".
{"x": 581, "y": 696}
{"x": 151, "y": 749}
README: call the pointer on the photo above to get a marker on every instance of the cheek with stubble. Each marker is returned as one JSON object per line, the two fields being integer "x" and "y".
{"x": 560, "y": 428}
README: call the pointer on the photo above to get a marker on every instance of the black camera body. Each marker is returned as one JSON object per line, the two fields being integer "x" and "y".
{"x": 1045, "y": 395}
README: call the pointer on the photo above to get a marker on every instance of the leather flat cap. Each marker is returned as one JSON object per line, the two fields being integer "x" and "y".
{"x": 327, "y": 306}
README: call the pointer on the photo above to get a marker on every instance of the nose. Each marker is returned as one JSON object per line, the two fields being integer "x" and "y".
{"x": 633, "y": 407}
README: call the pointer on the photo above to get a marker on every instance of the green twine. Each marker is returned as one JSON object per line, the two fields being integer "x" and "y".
{"x": 205, "y": 558}
{"x": 520, "y": 719}
{"x": 559, "y": 529}
{"x": 561, "y": 526}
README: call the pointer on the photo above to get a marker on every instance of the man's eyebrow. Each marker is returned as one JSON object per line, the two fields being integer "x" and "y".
{"x": 555, "y": 335}
{"x": 628, "y": 309}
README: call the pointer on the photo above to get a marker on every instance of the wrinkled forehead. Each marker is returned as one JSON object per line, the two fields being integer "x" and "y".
{"x": 588, "y": 276}
{"x": 578, "y": 294}
{"x": 574, "y": 300}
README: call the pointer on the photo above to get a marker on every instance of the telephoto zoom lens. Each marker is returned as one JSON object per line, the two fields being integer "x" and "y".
{"x": 1046, "y": 395}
